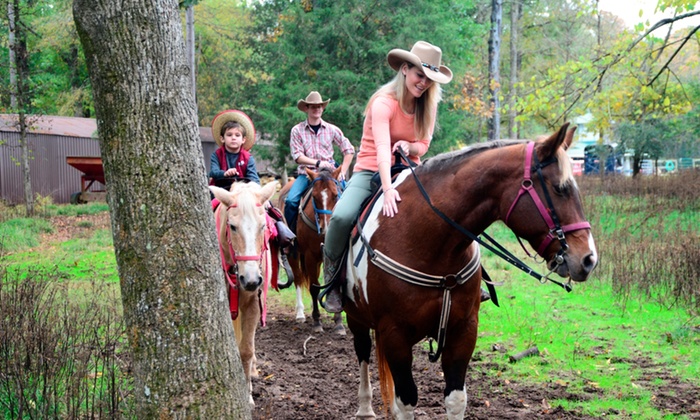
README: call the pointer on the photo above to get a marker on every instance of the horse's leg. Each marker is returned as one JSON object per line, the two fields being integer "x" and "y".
{"x": 249, "y": 311}
{"x": 363, "y": 348}
{"x": 339, "y": 327}
{"x": 300, "y": 305}
{"x": 313, "y": 269}
{"x": 455, "y": 359}
{"x": 398, "y": 354}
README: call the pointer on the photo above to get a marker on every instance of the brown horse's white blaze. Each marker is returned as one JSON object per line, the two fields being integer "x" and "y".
{"x": 314, "y": 216}
{"x": 474, "y": 188}
{"x": 242, "y": 230}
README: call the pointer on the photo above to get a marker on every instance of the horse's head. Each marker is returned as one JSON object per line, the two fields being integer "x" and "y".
{"x": 325, "y": 191}
{"x": 547, "y": 211}
{"x": 243, "y": 209}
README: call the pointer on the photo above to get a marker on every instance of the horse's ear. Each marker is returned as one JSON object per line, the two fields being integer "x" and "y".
{"x": 336, "y": 172}
{"x": 311, "y": 173}
{"x": 549, "y": 147}
{"x": 268, "y": 191}
{"x": 568, "y": 140}
{"x": 221, "y": 194}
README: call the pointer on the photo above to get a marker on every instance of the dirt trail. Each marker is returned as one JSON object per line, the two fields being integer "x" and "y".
{"x": 323, "y": 384}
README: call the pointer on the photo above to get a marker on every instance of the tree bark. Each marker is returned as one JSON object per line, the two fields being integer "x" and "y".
{"x": 189, "y": 25}
{"x": 19, "y": 96}
{"x": 186, "y": 363}
{"x": 494, "y": 71}
{"x": 515, "y": 8}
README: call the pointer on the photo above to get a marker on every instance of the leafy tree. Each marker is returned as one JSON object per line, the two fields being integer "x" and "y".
{"x": 339, "y": 48}
{"x": 644, "y": 140}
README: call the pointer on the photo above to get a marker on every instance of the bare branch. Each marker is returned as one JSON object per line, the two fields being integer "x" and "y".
{"x": 675, "y": 53}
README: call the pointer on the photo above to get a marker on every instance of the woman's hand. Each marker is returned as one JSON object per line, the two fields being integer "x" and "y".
{"x": 403, "y": 145}
{"x": 231, "y": 172}
{"x": 391, "y": 199}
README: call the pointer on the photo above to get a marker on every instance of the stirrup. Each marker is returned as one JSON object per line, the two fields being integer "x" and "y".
{"x": 288, "y": 270}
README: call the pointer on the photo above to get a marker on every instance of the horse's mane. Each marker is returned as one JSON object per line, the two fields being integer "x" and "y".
{"x": 449, "y": 159}
{"x": 325, "y": 174}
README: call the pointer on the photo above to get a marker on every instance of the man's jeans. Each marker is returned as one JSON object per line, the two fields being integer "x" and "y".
{"x": 291, "y": 203}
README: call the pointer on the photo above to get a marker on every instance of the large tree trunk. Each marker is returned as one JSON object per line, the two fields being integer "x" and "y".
{"x": 186, "y": 363}
{"x": 494, "y": 68}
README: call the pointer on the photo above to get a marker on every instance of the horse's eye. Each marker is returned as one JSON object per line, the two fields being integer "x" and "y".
{"x": 233, "y": 228}
{"x": 559, "y": 190}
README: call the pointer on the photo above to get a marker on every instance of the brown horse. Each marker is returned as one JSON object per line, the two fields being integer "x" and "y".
{"x": 314, "y": 214}
{"x": 243, "y": 232}
{"x": 418, "y": 274}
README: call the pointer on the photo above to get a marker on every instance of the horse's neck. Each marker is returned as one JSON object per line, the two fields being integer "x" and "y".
{"x": 476, "y": 194}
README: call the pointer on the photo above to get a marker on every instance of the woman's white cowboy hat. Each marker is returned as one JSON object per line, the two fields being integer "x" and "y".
{"x": 314, "y": 98}
{"x": 238, "y": 116}
{"x": 424, "y": 55}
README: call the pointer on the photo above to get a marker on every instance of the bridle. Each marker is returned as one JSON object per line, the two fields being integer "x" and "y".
{"x": 318, "y": 211}
{"x": 556, "y": 230}
{"x": 231, "y": 270}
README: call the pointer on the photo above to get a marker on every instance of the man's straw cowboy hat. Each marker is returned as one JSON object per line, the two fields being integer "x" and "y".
{"x": 314, "y": 98}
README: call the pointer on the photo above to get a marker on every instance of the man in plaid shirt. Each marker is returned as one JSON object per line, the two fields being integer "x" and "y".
{"x": 311, "y": 142}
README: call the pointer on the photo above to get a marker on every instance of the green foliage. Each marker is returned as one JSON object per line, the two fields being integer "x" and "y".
{"x": 339, "y": 48}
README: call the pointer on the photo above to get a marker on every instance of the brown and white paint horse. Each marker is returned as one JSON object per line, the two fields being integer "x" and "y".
{"x": 314, "y": 214}
{"x": 243, "y": 232}
{"x": 475, "y": 187}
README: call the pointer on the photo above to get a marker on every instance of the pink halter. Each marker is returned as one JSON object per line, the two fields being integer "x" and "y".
{"x": 556, "y": 231}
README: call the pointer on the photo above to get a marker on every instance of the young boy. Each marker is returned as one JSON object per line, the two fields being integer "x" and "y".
{"x": 234, "y": 132}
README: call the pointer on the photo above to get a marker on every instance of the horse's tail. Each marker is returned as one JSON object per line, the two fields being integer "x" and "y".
{"x": 386, "y": 381}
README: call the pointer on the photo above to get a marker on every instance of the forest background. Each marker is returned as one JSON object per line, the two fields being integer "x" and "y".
{"x": 559, "y": 59}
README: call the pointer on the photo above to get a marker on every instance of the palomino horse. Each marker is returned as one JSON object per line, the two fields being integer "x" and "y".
{"x": 243, "y": 233}
{"x": 315, "y": 211}
{"x": 434, "y": 286}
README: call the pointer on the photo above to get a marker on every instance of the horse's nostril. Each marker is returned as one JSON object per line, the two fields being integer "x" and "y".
{"x": 589, "y": 262}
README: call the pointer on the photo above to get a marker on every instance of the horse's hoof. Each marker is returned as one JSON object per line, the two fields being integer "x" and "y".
{"x": 339, "y": 329}
{"x": 362, "y": 416}
{"x": 301, "y": 319}
{"x": 317, "y": 328}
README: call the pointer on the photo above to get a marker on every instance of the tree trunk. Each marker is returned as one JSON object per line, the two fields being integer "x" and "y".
{"x": 494, "y": 72}
{"x": 19, "y": 96}
{"x": 513, "y": 94}
{"x": 186, "y": 363}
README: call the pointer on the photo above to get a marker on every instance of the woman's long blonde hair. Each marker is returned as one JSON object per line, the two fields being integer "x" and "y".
{"x": 426, "y": 105}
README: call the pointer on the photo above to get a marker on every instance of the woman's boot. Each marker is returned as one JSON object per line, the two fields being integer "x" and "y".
{"x": 333, "y": 294}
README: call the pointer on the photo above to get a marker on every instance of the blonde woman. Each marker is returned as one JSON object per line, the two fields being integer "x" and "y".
{"x": 400, "y": 115}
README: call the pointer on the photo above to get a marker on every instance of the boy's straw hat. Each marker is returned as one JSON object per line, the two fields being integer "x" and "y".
{"x": 233, "y": 115}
